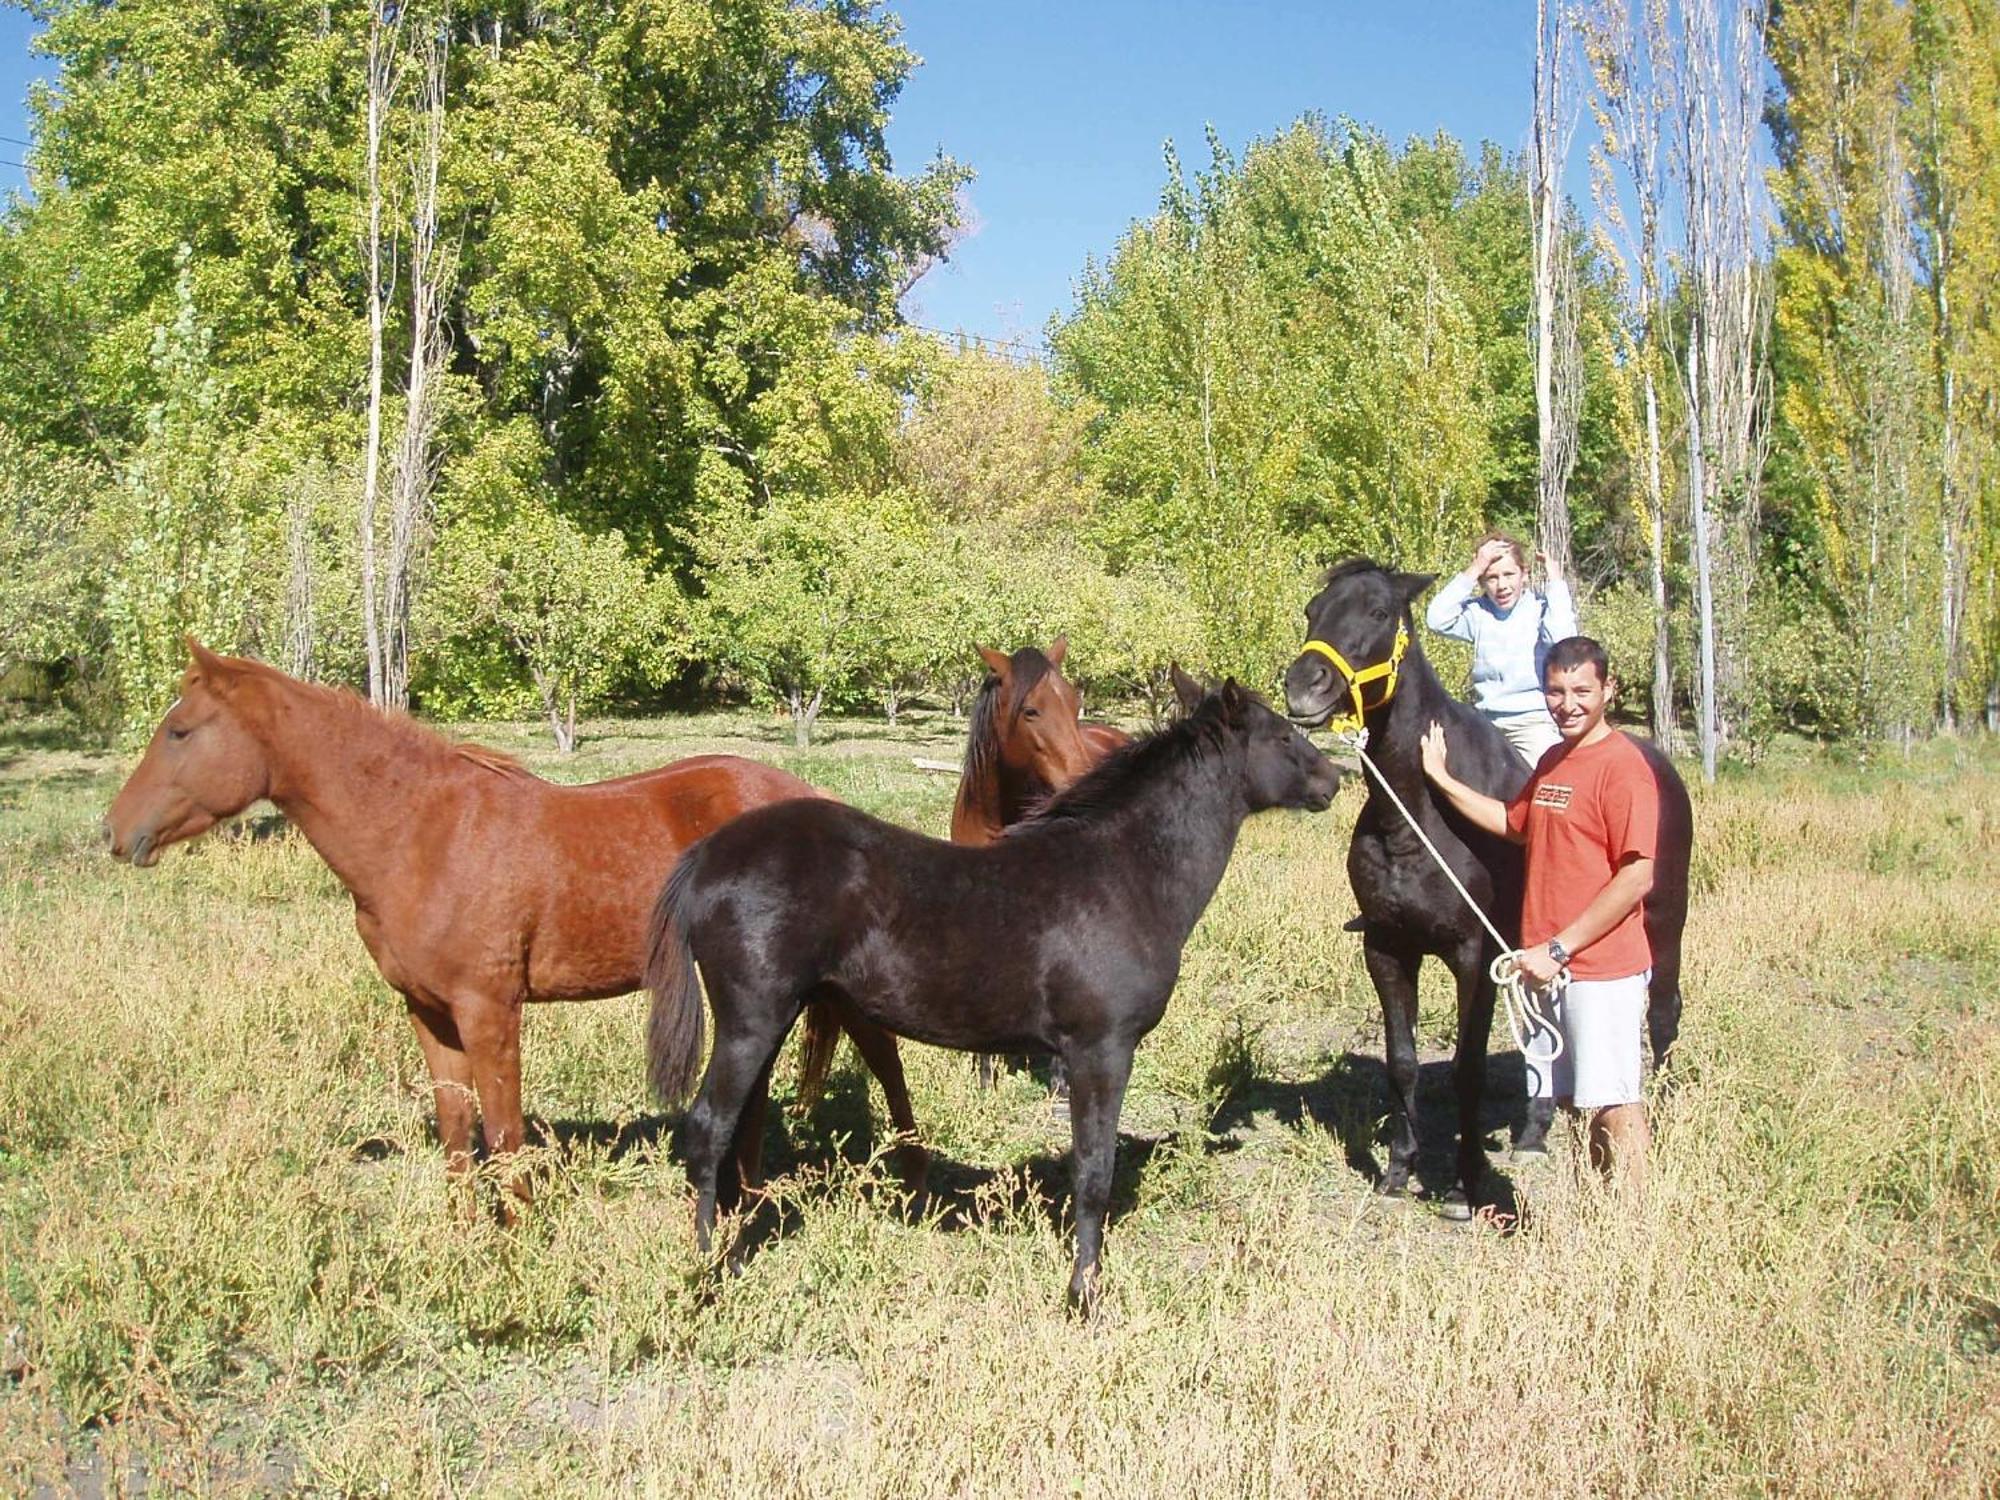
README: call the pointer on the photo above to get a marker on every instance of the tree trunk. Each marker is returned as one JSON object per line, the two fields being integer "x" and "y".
{"x": 805, "y": 713}
{"x": 1663, "y": 660}
{"x": 382, "y": 41}
{"x": 299, "y": 631}
{"x": 417, "y": 457}
{"x": 561, "y": 727}
{"x": 1556, "y": 371}
{"x": 1705, "y": 708}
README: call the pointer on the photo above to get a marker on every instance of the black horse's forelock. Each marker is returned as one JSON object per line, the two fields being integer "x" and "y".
{"x": 1347, "y": 567}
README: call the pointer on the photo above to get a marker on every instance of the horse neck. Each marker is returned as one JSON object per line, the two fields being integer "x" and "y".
{"x": 992, "y": 797}
{"x": 1396, "y": 727}
{"x": 344, "y": 779}
{"x": 1183, "y": 827}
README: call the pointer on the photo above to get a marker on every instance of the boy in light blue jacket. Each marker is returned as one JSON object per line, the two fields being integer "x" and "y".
{"x": 1511, "y": 628}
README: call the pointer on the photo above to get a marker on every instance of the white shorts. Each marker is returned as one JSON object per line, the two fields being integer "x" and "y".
{"x": 1602, "y": 1022}
{"x": 1530, "y": 733}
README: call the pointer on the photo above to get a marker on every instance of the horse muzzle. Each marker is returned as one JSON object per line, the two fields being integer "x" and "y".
{"x": 1311, "y": 694}
{"x": 141, "y": 852}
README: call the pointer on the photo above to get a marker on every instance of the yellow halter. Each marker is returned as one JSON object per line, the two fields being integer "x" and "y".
{"x": 1356, "y": 681}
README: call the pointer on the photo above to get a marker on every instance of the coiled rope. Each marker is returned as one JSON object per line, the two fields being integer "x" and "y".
{"x": 1525, "y": 1010}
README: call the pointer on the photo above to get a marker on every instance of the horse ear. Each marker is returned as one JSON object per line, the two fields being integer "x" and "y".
{"x": 1185, "y": 688}
{"x": 219, "y": 672}
{"x": 996, "y": 662}
{"x": 1058, "y": 648}
{"x": 203, "y": 660}
{"x": 1232, "y": 697}
{"x": 1412, "y": 584}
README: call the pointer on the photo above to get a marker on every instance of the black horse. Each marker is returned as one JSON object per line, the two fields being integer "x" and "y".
{"x": 1064, "y": 937}
{"x": 1408, "y": 907}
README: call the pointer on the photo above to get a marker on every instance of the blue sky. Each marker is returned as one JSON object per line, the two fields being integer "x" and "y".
{"x": 1063, "y": 109}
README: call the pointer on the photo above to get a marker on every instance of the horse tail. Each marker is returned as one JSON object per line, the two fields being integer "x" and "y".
{"x": 675, "y": 1023}
{"x": 817, "y": 1041}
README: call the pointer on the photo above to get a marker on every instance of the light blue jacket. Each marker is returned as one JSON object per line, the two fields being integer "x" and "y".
{"x": 1507, "y": 650}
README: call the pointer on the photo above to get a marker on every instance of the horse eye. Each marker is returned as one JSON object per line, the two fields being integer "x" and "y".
{"x": 1031, "y": 713}
{"x": 177, "y": 734}
{"x": 1381, "y": 614}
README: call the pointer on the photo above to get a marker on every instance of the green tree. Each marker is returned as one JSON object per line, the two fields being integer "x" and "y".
{"x": 177, "y": 529}
{"x": 48, "y": 555}
{"x": 578, "y": 612}
{"x": 673, "y": 225}
{"x": 1281, "y": 368}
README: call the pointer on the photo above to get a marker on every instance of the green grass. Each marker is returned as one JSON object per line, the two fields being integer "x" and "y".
{"x": 228, "y": 1263}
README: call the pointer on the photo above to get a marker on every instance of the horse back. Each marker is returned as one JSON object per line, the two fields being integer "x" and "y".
{"x": 1666, "y": 906}
{"x": 591, "y": 859}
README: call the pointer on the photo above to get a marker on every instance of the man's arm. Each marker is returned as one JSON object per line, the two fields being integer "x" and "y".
{"x": 1628, "y": 886}
{"x": 1482, "y": 811}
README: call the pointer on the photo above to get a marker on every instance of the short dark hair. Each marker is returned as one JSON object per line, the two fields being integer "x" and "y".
{"x": 1571, "y": 652}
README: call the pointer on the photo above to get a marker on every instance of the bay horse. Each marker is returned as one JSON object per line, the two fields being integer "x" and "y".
{"x": 1064, "y": 937}
{"x": 1025, "y": 741}
{"x": 1408, "y": 907}
{"x": 477, "y": 886}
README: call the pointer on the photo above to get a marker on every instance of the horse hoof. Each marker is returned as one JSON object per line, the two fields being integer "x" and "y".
{"x": 1455, "y": 1209}
{"x": 1529, "y": 1153}
{"x": 1392, "y": 1187}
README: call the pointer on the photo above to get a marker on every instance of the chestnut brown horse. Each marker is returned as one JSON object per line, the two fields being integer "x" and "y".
{"x": 477, "y": 886}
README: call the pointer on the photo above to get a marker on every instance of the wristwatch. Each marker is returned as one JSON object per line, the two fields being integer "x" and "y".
{"x": 1558, "y": 953}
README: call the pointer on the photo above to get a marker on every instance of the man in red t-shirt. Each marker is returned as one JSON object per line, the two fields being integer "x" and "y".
{"x": 1590, "y": 816}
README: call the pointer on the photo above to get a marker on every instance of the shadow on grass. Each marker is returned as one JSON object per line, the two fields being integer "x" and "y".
{"x": 1351, "y": 1100}
{"x": 1348, "y": 1099}
{"x": 23, "y": 735}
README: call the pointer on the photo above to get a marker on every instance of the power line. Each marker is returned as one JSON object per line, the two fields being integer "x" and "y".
{"x": 1025, "y": 345}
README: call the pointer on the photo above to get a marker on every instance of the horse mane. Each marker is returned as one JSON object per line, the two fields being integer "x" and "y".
{"x": 417, "y": 740}
{"x": 1347, "y": 567}
{"x": 1115, "y": 782}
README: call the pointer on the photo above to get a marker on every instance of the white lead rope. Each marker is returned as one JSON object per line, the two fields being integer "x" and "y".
{"x": 1525, "y": 1013}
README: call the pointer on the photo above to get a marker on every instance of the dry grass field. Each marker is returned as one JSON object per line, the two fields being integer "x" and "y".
{"x": 228, "y": 1264}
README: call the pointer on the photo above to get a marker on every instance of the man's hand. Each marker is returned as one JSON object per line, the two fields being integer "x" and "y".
{"x": 1432, "y": 748}
{"x": 1540, "y": 965}
{"x": 1488, "y": 813}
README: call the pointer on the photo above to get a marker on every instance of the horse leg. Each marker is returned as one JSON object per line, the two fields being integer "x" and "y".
{"x": 1663, "y": 1000}
{"x": 491, "y": 1031}
{"x": 1394, "y": 971}
{"x": 1468, "y": 1072}
{"x": 749, "y": 1143}
{"x": 452, "y": 1093}
{"x": 878, "y": 1049}
{"x": 1096, "y": 1093}
{"x": 742, "y": 1058}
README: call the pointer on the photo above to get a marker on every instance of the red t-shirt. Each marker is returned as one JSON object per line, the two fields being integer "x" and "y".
{"x": 1586, "y": 810}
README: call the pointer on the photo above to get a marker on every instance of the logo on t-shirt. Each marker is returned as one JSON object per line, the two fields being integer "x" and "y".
{"x": 1556, "y": 797}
